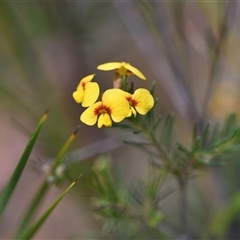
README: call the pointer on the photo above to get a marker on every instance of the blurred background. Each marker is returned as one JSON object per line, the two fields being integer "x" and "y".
{"x": 191, "y": 50}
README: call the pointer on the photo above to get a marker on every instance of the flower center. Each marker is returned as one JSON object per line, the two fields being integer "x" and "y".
{"x": 102, "y": 109}
{"x": 123, "y": 71}
{"x": 132, "y": 101}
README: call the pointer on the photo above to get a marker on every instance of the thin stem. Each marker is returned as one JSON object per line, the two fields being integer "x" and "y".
{"x": 124, "y": 80}
{"x": 182, "y": 181}
{"x": 149, "y": 134}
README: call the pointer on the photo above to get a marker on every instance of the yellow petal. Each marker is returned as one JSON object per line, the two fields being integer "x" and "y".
{"x": 130, "y": 112}
{"x": 133, "y": 111}
{"x": 109, "y": 66}
{"x": 78, "y": 95}
{"x": 145, "y": 100}
{"x": 88, "y": 116}
{"x": 104, "y": 119}
{"x": 85, "y": 80}
{"x": 116, "y": 100}
{"x": 134, "y": 70}
{"x": 91, "y": 94}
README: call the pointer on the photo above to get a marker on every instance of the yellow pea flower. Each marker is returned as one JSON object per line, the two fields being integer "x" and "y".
{"x": 87, "y": 92}
{"x": 113, "y": 107}
{"x": 122, "y": 68}
{"x": 140, "y": 101}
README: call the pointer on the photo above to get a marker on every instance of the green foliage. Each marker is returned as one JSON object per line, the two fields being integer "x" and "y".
{"x": 208, "y": 148}
{"x": 211, "y": 146}
{"x": 35, "y": 227}
{"x": 131, "y": 212}
{"x": 7, "y": 192}
{"x": 53, "y": 175}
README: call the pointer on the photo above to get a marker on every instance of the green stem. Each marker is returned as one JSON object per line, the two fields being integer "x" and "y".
{"x": 164, "y": 156}
{"x": 182, "y": 182}
{"x": 124, "y": 79}
{"x": 32, "y": 208}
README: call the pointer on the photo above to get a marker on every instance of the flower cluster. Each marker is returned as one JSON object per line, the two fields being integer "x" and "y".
{"x": 117, "y": 103}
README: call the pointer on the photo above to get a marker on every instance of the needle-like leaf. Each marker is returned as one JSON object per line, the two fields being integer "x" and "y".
{"x": 7, "y": 192}
{"x": 33, "y": 230}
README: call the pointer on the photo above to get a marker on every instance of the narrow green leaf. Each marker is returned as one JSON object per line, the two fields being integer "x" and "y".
{"x": 194, "y": 134}
{"x": 215, "y": 135}
{"x": 33, "y": 230}
{"x": 205, "y": 135}
{"x": 131, "y": 88}
{"x": 198, "y": 144}
{"x": 156, "y": 124}
{"x": 152, "y": 87}
{"x": 34, "y": 205}
{"x": 64, "y": 149}
{"x": 7, "y": 192}
{"x": 139, "y": 143}
{"x": 183, "y": 149}
{"x": 143, "y": 147}
{"x": 229, "y": 125}
{"x": 126, "y": 127}
{"x": 32, "y": 209}
{"x": 166, "y": 134}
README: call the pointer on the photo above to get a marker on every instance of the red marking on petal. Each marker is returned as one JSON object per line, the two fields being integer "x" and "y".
{"x": 102, "y": 109}
{"x": 132, "y": 101}
{"x": 83, "y": 85}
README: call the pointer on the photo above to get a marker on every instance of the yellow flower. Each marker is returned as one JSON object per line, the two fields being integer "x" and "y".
{"x": 122, "y": 68}
{"x": 141, "y": 101}
{"x": 87, "y": 92}
{"x": 113, "y": 107}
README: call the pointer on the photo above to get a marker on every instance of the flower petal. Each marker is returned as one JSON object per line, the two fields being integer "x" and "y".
{"x": 85, "y": 80}
{"x": 134, "y": 70}
{"x": 144, "y": 100}
{"x": 88, "y": 116}
{"x": 78, "y": 95}
{"x": 116, "y": 100}
{"x": 104, "y": 119}
{"x": 130, "y": 112}
{"x": 109, "y": 66}
{"x": 91, "y": 94}
{"x": 133, "y": 111}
